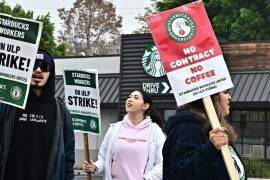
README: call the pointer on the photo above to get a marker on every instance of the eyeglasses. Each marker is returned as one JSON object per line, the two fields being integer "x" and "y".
{"x": 45, "y": 67}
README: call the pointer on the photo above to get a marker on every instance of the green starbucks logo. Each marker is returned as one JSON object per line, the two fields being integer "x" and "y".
{"x": 93, "y": 124}
{"x": 16, "y": 92}
{"x": 180, "y": 27}
{"x": 151, "y": 61}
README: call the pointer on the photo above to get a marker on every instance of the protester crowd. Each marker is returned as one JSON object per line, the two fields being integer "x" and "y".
{"x": 134, "y": 148}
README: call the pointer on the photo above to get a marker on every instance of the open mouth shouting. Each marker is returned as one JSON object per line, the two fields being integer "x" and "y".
{"x": 37, "y": 77}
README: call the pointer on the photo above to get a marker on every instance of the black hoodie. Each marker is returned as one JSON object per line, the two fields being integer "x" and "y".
{"x": 32, "y": 135}
{"x": 187, "y": 153}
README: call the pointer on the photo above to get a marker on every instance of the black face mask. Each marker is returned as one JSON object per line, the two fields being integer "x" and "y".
{"x": 44, "y": 66}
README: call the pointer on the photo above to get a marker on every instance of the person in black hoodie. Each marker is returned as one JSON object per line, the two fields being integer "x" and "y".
{"x": 37, "y": 143}
{"x": 192, "y": 150}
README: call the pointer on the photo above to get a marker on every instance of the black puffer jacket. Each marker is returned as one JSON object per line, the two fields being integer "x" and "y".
{"x": 187, "y": 153}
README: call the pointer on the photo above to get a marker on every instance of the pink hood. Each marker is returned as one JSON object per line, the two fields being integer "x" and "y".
{"x": 144, "y": 124}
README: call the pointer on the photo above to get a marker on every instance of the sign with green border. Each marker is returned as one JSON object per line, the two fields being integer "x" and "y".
{"x": 82, "y": 99}
{"x": 19, "y": 41}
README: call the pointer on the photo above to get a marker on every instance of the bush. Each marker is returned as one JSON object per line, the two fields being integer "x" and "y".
{"x": 257, "y": 168}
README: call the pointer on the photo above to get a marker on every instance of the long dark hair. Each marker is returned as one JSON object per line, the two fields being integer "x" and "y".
{"x": 198, "y": 109}
{"x": 151, "y": 111}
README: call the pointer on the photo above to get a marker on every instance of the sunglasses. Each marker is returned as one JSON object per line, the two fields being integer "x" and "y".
{"x": 45, "y": 67}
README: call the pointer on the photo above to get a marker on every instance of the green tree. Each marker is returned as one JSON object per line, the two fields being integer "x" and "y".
{"x": 234, "y": 20}
{"x": 47, "y": 40}
{"x": 90, "y": 24}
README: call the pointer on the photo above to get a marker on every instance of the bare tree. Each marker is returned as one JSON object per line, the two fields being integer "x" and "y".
{"x": 141, "y": 18}
{"x": 89, "y": 25}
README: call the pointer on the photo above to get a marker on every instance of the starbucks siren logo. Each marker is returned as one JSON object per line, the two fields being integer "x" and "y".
{"x": 151, "y": 61}
{"x": 93, "y": 124}
{"x": 16, "y": 92}
{"x": 180, "y": 27}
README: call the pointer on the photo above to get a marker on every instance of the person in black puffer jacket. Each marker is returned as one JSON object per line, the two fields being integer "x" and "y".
{"x": 192, "y": 150}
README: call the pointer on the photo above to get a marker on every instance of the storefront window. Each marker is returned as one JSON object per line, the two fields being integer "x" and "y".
{"x": 250, "y": 126}
{"x": 249, "y": 116}
{"x": 254, "y": 139}
{"x": 168, "y": 113}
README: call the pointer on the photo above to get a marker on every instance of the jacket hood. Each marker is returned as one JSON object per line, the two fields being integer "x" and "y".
{"x": 48, "y": 91}
{"x": 145, "y": 123}
{"x": 178, "y": 118}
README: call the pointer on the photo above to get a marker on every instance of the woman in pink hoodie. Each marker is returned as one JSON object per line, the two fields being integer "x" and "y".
{"x": 132, "y": 148}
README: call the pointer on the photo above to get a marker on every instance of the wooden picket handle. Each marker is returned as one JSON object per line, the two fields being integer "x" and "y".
{"x": 212, "y": 115}
{"x": 86, "y": 152}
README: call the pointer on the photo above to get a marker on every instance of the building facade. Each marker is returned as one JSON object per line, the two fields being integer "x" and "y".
{"x": 249, "y": 66}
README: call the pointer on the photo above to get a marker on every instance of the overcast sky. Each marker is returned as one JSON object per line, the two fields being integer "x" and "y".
{"x": 128, "y": 9}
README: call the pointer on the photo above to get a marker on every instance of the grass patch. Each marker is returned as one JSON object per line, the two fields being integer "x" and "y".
{"x": 257, "y": 167}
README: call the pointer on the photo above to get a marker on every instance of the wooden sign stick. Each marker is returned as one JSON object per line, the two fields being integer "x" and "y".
{"x": 86, "y": 152}
{"x": 212, "y": 115}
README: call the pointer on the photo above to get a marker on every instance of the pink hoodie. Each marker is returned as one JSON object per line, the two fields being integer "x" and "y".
{"x": 130, "y": 150}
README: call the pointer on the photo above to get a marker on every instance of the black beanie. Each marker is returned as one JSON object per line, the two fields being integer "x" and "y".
{"x": 45, "y": 56}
